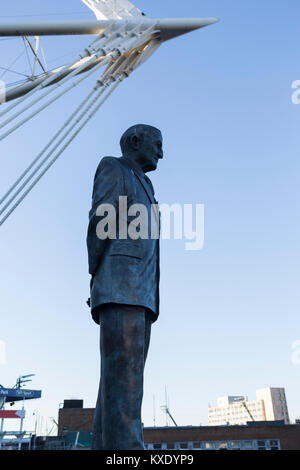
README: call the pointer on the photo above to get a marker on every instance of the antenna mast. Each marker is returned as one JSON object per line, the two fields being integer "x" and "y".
{"x": 166, "y": 409}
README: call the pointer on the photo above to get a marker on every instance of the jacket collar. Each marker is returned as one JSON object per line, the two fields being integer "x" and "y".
{"x": 141, "y": 176}
{"x": 133, "y": 165}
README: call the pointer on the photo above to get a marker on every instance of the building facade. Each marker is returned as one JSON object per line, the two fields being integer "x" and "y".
{"x": 275, "y": 404}
{"x": 76, "y": 425}
{"x": 270, "y": 405}
{"x": 256, "y": 436}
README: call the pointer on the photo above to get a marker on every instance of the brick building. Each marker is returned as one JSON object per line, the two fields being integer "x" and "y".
{"x": 255, "y": 436}
{"x": 75, "y": 419}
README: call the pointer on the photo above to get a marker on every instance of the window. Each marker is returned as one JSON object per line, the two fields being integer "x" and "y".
{"x": 183, "y": 445}
{"x": 261, "y": 445}
{"x": 222, "y": 445}
{"x": 248, "y": 445}
{"x": 170, "y": 445}
{"x": 197, "y": 445}
{"x": 274, "y": 445}
{"x": 235, "y": 445}
{"x": 156, "y": 446}
{"x": 209, "y": 445}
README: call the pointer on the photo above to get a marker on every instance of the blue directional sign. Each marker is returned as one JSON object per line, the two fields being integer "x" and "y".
{"x": 17, "y": 394}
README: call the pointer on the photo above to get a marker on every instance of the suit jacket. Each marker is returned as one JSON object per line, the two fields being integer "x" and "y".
{"x": 124, "y": 271}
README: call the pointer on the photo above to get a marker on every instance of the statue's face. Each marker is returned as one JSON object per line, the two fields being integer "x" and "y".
{"x": 150, "y": 150}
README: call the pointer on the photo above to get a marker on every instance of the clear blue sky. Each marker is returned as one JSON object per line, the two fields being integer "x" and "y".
{"x": 229, "y": 313}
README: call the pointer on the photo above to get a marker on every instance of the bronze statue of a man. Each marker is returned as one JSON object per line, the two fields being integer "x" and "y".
{"x": 125, "y": 283}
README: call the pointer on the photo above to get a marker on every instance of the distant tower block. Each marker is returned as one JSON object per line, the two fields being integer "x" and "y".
{"x": 270, "y": 405}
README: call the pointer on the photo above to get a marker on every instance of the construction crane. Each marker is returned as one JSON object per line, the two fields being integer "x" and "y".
{"x": 248, "y": 411}
{"x": 167, "y": 411}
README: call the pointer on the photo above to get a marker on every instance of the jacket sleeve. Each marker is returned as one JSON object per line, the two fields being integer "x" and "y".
{"x": 108, "y": 186}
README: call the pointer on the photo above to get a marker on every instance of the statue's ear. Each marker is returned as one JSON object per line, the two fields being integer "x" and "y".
{"x": 134, "y": 142}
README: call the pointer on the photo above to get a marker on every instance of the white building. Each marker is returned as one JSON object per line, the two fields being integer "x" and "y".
{"x": 270, "y": 405}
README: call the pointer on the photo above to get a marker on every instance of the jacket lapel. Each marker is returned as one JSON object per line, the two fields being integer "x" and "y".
{"x": 145, "y": 186}
{"x": 140, "y": 178}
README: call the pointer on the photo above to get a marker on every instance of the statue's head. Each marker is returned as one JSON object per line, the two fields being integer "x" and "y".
{"x": 143, "y": 144}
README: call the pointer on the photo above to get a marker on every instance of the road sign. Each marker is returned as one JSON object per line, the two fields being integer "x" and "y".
{"x": 4, "y": 414}
{"x": 16, "y": 394}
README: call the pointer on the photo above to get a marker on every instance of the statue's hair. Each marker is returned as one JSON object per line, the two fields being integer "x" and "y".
{"x": 139, "y": 130}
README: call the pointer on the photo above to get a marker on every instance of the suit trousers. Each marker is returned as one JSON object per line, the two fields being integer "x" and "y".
{"x": 124, "y": 341}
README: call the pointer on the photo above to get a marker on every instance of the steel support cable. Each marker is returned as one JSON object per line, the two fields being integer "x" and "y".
{"x": 34, "y": 113}
{"x": 29, "y": 63}
{"x": 93, "y": 58}
{"x": 52, "y": 100}
{"x": 49, "y": 79}
{"x": 35, "y": 53}
{"x": 133, "y": 61}
{"x": 26, "y": 171}
{"x": 46, "y": 81}
{"x": 12, "y": 64}
{"x": 108, "y": 75}
{"x": 41, "y": 164}
{"x": 61, "y": 151}
{"x": 110, "y": 35}
{"x": 44, "y": 58}
{"x": 112, "y": 68}
{"x": 50, "y": 90}
{"x": 56, "y": 75}
{"x": 14, "y": 71}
